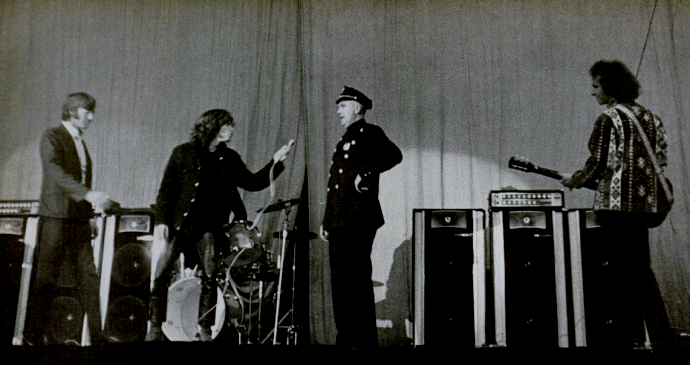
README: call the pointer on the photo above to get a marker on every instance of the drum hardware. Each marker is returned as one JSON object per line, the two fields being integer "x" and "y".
{"x": 283, "y": 235}
{"x": 297, "y": 235}
{"x": 280, "y": 205}
{"x": 256, "y": 274}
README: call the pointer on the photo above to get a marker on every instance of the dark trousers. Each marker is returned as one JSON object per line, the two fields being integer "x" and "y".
{"x": 635, "y": 285}
{"x": 206, "y": 242}
{"x": 63, "y": 242}
{"x": 354, "y": 308}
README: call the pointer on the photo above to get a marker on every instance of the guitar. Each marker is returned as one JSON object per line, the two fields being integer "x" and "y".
{"x": 650, "y": 220}
{"x": 522, "y": 164}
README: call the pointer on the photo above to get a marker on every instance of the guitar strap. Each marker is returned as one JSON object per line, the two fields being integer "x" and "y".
{"x": 648, "y": 147}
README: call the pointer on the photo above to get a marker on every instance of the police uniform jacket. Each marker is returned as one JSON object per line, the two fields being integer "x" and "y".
{"x": 62, "y": 193}
{"x": 363, "y": 150}
{"x": 180, "y": 187}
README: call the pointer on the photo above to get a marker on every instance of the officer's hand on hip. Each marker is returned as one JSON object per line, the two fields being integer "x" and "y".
{"x": 323, "y": 234}
{"x": 360, "y": 184}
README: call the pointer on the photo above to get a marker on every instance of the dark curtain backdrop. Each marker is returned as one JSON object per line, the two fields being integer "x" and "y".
{"x": 460, "y": 86}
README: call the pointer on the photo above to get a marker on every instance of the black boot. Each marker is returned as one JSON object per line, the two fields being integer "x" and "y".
{"x": 155, "y": 319}
{"x": 207, "y": 313}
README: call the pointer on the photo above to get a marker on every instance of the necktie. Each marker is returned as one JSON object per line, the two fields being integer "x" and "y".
{"x": 81, "y": 151}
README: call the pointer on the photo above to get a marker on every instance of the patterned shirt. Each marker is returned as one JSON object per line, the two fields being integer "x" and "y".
{"x": 619, "y": 164}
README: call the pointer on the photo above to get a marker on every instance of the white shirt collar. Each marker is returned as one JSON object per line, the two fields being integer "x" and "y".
{"x": 71, "y": 129}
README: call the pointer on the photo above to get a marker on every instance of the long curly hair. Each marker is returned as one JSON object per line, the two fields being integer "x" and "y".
{"x": 616, "y": 80}
{"x": 208, "y": 125}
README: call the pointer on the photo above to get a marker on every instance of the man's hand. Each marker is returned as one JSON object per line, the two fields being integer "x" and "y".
{"x": 282, "y": 153}
{"x": 96, "y": 198}
{"x": 567, "y": 181}
{"x": 323, "y": 234}
{"x": 160, "y": 232}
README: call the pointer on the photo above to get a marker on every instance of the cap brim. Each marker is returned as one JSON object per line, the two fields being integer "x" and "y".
{"x": 345, "y": 98}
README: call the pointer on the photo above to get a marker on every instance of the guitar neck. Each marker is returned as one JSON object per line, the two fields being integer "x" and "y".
{"x": 548, "y": 173}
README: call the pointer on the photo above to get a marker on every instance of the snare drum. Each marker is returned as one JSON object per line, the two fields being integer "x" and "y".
{"x": 183, "y": 311}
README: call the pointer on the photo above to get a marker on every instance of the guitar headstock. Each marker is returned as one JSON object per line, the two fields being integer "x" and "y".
{"x": 522, "y": 164}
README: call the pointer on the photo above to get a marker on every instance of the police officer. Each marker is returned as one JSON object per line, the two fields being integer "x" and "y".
{"x": 352, "y": 217}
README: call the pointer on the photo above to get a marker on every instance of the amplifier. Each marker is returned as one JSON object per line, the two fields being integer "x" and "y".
{"x": 18, "y": 207}
{"x": 526, "y": 198}
{"x": 529, "y": 271}
{"x": 449, "y": 284}
{"x": 18, "y": 238}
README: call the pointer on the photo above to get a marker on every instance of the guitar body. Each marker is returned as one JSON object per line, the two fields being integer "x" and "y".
{"x": 664, "y": 205}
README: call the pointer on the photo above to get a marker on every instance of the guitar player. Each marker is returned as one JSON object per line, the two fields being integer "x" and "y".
{"x": 624, "y": 167}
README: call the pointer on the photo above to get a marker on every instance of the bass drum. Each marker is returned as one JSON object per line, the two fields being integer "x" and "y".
{"x": 250, "y": 309}
{"x": 183, "y": 311}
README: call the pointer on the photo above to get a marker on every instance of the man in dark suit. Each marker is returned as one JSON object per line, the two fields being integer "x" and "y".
{"x": 198, "y": 192}
{"x": 65, "y": 210}
{"x": 352, "y": 217}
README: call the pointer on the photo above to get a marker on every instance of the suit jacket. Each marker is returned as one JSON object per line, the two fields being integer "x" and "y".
{"x": 62, "y": 193}
{"x": 178, "y": 190}
{"x": 363, "y": 150}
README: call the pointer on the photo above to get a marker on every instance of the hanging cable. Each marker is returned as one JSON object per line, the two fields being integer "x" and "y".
{"x": 649, "y": 31}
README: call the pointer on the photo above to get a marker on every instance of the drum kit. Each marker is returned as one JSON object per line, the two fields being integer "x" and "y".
{"x": 250, "y": 284}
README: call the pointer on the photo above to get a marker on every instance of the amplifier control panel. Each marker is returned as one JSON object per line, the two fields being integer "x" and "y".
{"x": 18, "y": 207}
{"x": 526, "y": 198}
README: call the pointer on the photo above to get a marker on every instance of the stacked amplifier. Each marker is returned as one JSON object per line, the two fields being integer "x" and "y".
{"x": 449, "y": 277}
{"x": 529, "y": 268}
{"x": 18, "y": 238}
{"x": 121, "y": 242}
{"x": 506, "y": 277}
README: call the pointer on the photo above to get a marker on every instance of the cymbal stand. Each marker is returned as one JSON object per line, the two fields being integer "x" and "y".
{"x": 281, "y": 261}
{"x": 249, "y": 315}
{"x": 261, "y": 286}
{"x": 292, "y": 334}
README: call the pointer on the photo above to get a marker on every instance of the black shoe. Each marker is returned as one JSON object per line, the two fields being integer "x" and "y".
{"x": 205, "y": 335}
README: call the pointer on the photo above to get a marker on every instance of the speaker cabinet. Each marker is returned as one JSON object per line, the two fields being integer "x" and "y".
{"x": 449, "y": 277}
{"x": 529, "y": 277}
{"x": 599, "y": 313}
{"x": 18, "y": 236}
{"x": 126, "y": 275}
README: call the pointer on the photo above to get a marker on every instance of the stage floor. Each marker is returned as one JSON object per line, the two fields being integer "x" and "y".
{"x": 163, "y": 353}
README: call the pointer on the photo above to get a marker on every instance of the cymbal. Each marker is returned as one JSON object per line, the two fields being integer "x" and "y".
{"x": 280, "y": 205}
{"x": 296, "y": 234}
